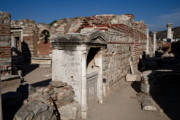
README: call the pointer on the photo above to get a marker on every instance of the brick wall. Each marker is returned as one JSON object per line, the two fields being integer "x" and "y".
{"x": 44, "y": 47}
{"x": 5, "y": 44}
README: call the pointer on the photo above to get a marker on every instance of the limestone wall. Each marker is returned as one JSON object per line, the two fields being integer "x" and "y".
{"x": 5, "y": 44}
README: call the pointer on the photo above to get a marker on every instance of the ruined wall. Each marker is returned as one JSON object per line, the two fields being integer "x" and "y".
{"x": 116, "y": 58}
{"x": 126, "y": 41}
{"x": 29, "y": 35}
{"x": 43, "y": 43}
{"x": 5, "y": 44}
{"x": 125, "y": 44}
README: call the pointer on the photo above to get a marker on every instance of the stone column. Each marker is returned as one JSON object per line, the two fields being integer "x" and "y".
{"x": 169, "y": 31}
{"x": 154, "y": 42}
{"x": 84, "y": 86}
{"x": 100, "y": 81}
{"x": 147, "y": 41}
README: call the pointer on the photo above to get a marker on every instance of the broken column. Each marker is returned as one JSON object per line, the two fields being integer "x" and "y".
{"x": 154, "y": 43}
{"x": 169, "y": 32}
{"x": 69, "y": 64}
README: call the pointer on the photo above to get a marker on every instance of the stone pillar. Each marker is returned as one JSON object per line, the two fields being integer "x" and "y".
{"x": 13, "y": 42}
{"x": 169, "y": 31}
{"x": 84, "y": 86}
{"x": 154, "y": 43}
{"x": 100, "y": 77}
{"x": 147, "y": 41}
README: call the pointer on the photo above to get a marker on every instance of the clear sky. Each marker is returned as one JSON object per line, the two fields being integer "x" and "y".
{"x": 155, "y": 13}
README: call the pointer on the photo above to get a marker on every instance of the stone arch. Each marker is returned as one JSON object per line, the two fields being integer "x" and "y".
{"x": 44, "y": 45}
{"x": 98, "y": 37}
{"x": 44, "y": 36}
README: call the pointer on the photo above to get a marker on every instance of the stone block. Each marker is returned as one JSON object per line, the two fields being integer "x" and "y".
{"x": 145, "y": 88}
{"x": 70, "y": 111}
{"x": 131, "y": 77}
{"x": 35, "y": 110}
{"x": 147, "y": 103}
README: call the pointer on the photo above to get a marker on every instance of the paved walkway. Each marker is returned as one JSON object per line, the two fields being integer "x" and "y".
{"x": 122, "y": 104}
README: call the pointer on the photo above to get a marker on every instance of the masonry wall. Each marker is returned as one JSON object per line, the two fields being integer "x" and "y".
{"x": 126, "y": 41}
{"x": 29, "y": 35}
{"x": 5, "y": 44}
{"x": 43, "y": 47}
{"x": 123, "y": 45}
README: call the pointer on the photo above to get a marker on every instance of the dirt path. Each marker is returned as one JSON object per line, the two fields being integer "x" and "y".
{"x": 122, "y": 104}
{"x": 38, "y": 75}
{"x": 35, "y": 76}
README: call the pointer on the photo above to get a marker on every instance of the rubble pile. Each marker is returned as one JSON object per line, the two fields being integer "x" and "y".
{"x": 56, "y": 91}
{"x": 52, "y": 102}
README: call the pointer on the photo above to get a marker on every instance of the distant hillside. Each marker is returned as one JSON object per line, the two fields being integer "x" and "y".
{"x": 163, "y": 34}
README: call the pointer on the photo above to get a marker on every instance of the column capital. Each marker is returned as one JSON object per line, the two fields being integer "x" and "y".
{"x": 169, "y": 25}
{"x": 154, "y": 32}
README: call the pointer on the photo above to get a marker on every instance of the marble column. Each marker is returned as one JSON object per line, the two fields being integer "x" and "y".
{"x": 84, "y": 86}
{"x": 154, "y": 43}
{"x": 100, "y": 81}
{"x": 147, "y": 41}
{"x": 169, "y": 31}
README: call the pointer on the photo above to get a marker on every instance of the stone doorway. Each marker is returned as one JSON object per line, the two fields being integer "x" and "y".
{"x": 92, "y": 76}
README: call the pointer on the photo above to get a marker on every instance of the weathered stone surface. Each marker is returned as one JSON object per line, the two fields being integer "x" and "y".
{"x": 37, "y": 106}
{"x": 70, "y": 111}
{"x": 56, "y": 91}
{"x": 145, "y": 82}
{"x": 147, "y": 103}
{"x": 131, "y": 77}
{"x": 145, "y": 88}
{"x": 35, "y": 110}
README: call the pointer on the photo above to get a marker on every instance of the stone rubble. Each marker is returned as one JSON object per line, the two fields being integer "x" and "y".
{"x": 35, "y": 110}
{"x": 42, "y": 102}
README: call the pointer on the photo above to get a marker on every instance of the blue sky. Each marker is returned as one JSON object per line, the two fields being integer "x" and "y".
{"x": 155, "y": 13}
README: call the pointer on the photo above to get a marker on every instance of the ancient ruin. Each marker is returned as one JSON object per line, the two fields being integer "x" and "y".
{"x": 88, "y": 57}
